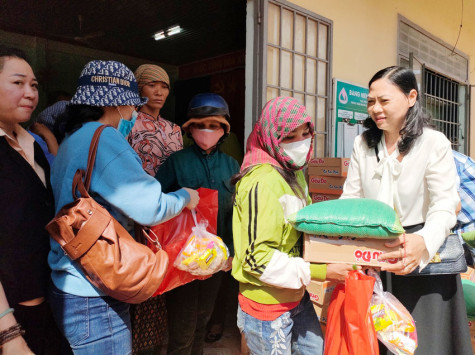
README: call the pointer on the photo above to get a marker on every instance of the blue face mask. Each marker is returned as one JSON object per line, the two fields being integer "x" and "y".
{"x": 125, "y": 126}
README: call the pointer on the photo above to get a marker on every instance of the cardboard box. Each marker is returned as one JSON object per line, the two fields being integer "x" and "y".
{"x": 321, "y": 291}
{"x": 471, "y": 326}
{"x": 343, "y": 163}
{"x": 321, "y": 249}
{"x": 326, "y": 184}
{"x": 322, "y": 312}
{"x": 316, "y": 197}
{"x": 328, "y": 166}
{"x": 469, "y": 274}
{"x": 327, "y": 171}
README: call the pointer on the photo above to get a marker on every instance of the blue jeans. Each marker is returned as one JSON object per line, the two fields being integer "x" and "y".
{"x": 92, "y": 325}
{"x": 295, "y": 332}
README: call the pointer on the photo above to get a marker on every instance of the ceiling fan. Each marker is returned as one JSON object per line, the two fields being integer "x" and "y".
{"x": 84, "y": 38}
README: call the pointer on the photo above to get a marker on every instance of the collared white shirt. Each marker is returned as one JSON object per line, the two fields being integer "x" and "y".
{"x": 425, "y": 183}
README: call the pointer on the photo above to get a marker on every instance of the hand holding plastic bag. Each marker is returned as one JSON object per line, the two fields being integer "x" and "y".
{"x": 173, "y": 235}
{"x": 393, "y": 323}
{"x": 203, "y": 253}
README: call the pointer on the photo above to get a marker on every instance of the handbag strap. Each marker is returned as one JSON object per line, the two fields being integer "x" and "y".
{"x": 78, "y": 184}
{"x": 82, "y": 180}
{"x": 82, "y": 184}
{"x": 92, "y": 155}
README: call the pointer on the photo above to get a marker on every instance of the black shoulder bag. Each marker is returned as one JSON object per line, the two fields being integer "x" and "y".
{"x": 449, "y": 259}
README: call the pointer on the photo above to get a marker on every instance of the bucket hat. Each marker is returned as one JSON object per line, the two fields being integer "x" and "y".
{"x": 107, "y": 83}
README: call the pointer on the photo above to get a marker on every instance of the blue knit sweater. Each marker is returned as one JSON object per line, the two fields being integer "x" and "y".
{"x": 118, "y": 182}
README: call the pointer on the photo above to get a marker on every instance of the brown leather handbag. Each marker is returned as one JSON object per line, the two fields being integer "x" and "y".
{"x": 109, "y": 256}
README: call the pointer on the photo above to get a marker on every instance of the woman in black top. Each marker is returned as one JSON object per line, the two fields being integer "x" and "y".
{"x": 27, "y": 206}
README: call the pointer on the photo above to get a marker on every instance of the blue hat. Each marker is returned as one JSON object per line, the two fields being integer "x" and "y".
{"x": 107, "y": 83}
{"x": 205, "y": 105}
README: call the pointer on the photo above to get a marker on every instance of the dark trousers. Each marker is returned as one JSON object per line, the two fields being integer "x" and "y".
{"x": 226, "y": 300}
{"x": 437, "y": 305}
{"x": 189, "y": 310}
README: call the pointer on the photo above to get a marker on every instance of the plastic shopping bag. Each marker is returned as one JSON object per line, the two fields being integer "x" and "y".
{"x": 203, "y": 253}
{"x": 335, "y": 341}
{"x": 393, "y": 323}
{"x": 174, "y": 233}
{"x": 350, "y": 328}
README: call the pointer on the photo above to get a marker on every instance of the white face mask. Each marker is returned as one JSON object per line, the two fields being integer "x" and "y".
{"x": 297, "y": 151}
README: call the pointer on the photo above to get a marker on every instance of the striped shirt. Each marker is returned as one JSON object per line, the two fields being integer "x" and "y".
{"x": 466, "y": 173}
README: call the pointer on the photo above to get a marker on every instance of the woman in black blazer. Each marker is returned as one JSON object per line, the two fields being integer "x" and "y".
{"x": 27, "y": 205}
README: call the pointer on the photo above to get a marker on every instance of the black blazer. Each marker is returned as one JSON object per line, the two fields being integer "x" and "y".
{"x": 25, "y": 209}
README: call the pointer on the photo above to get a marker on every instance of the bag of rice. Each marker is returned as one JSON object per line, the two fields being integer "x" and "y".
{"x": 354, "y": 217}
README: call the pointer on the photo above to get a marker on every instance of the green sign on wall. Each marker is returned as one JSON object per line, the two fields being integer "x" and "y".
{"x": 350, "y": 108}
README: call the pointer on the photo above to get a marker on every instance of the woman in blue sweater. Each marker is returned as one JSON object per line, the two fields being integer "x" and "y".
{"x": 107, "y": 93}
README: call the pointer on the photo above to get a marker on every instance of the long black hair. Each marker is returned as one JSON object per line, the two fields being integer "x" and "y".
{"x": 76, "y": 115}
{"x": 416, "y": 118}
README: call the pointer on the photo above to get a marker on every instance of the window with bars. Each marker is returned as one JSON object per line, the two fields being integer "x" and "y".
{"x": 441, "y": 98}
{"x": 296, "y": 62}
{"x": 442, "y": 74}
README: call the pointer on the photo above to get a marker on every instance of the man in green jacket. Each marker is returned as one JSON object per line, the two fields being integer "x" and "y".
{"x": 200, "y": 165}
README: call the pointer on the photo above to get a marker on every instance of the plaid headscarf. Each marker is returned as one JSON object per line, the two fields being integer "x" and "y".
{"x": 147, "y": 73}
{"x": 279, "y": 117}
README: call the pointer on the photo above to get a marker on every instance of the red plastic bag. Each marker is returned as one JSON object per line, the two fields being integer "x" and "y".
{"x": 350, "y": 328}
{"x": 174, "y": 233}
